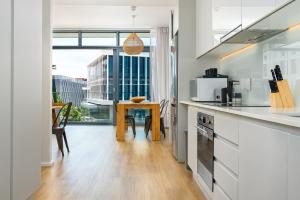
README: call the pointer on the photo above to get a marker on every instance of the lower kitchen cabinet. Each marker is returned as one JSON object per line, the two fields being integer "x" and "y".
{"x": 294, "y": 167}
{"x": 219, "y": 194}
{"x": 263, "y": 166}
{"x": 192, "y": 138}
{"x": 226, "y": 180}
{"x": 254, "y": 160}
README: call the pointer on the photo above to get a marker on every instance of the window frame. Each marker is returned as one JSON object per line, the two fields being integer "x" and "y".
{"x": 116, "y": 49}
{"x": 81, "y": 46}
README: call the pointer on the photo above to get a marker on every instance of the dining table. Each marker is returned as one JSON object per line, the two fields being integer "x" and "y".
{"x": 122, "y": 111}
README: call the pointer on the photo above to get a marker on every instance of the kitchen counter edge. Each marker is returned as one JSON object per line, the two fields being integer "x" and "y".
{"x": 260, "y": 113}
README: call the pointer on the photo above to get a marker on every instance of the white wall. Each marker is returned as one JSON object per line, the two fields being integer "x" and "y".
{"x": 46, "y": 158}
{"x": 27, "y": 97}
{"x": 188, "y": 66}
{"x": 108, "y": 17}
{"x": 21, "y": 97}
{"x": 5, "y": 100}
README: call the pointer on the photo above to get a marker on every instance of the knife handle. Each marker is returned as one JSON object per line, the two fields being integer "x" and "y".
{"x": 278, "y": 73}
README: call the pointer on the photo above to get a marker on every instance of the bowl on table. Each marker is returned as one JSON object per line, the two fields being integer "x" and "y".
{"x": 137, "y": 99}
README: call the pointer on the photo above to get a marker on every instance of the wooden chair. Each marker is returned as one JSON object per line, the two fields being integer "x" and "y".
{"x": 59, "y": 130}
{"x": 149, "y": 117}
{"x": 148, "y": 120}
{"x": 129, "y": 119}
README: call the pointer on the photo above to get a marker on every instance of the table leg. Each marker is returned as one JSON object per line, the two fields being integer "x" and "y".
{"x": 155, "y": 123}
{"x": 126, "y": 122}
{"x": 120, "y": 122}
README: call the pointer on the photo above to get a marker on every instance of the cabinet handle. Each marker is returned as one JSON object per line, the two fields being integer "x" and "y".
{"x": 239, "y": 26}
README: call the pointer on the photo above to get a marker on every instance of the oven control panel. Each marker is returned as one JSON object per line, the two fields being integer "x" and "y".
{"x": 205, "y": 120}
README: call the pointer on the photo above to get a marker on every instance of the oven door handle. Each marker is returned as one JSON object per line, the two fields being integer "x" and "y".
{"x": 201, "y": 129}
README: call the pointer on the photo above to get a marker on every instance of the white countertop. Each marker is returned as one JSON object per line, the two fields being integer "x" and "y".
{"x": 261, "y": 113}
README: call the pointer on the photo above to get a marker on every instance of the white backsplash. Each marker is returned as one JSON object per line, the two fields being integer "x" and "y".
{"x": 255, "y": 65}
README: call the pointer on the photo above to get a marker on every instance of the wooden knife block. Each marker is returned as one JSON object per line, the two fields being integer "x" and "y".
{"x": 286, "y": 94}
{"x": 275, "y": 100}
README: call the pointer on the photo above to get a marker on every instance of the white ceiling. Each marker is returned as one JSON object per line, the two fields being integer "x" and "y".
{"x": 111, "y": 14}
{"x": 151, "y": 3}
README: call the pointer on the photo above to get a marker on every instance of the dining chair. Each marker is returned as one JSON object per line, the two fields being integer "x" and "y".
{"x": 128, "y": 119}
{"x": 58, "y": 129}
{"x": 162, "y": 118}
{"x": 148, "y": 118}
{"x": 148, "y": 122}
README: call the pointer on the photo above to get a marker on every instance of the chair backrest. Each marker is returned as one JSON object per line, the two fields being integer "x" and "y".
{"x": 164, "y": 109}
{"x": 116, "y": 106}
{"x": 161, "y": 105}
{"x": 64, "y": 120}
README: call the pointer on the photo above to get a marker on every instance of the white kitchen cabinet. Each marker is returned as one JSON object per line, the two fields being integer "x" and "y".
{"x": 226, "y": 126}
{"x": 294, "y": 167}
{"x": 227, "y": 154}
{"x": 226, "y": 180}
{"x": 263, "y": 168}
{"x": 255, "y": 10}
{"x": 192, "y": 138}
{"x": 279, "y": 3}
{"x": 219, "y": 194}
{"x": 226, "y": 19}
{"x": 204, "y": 33}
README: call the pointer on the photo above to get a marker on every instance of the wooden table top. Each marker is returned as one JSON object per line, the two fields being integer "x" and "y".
{"x": 142, "y": 103}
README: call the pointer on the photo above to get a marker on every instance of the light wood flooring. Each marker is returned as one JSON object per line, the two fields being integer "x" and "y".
{"x": 99, "y": 168}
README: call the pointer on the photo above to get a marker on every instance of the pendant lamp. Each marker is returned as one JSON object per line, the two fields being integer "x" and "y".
{"x": 133, "y": 45}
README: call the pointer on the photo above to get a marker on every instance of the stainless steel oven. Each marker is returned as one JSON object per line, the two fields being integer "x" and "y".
{"x": 205, "y": 148}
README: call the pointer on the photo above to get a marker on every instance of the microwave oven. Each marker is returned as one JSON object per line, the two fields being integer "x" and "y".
{"x": 203, "y": 89}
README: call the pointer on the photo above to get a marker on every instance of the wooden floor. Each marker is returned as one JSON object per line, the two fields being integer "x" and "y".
{"x": 99, "y": 168}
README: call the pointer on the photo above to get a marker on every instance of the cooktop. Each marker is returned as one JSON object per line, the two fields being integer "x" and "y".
{"x": 233, "y": 105}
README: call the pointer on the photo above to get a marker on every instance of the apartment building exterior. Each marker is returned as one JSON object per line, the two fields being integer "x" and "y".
{"x": 133, "y": 80}
{"x": 69, "y": 89}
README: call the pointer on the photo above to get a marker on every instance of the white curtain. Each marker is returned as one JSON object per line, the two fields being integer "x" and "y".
{"x": 160, "y": 55}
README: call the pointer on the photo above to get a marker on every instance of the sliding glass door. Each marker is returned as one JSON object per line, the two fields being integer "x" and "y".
{"x": 91, "y": 71}
{"x": 85, "y": 78}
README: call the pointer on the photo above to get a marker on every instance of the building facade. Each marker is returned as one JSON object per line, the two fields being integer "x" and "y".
{"x": 134, "y": 78}
{"x": 69, "y": 89}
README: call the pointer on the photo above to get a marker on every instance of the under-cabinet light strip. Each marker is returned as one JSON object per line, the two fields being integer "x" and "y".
{"x": 296, "y": 26}
{"x": 236, "y": 52}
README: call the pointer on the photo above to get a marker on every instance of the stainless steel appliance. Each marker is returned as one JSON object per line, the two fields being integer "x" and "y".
{"x": 174, "y": 96}
{"x": 205, "y": 148}
{"x": 203, "y": 89}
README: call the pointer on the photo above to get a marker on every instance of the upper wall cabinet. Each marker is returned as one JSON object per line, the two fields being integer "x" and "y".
{"x": 226, "y": 19}
{"x": 216, "y": 20}
{"x": 204, "y": 33}
{"x": 280, "y": 3}
{"x": 253, "y": 10}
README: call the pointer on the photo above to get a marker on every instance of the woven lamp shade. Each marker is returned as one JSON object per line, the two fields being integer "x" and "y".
{"x": 133, "y": 45}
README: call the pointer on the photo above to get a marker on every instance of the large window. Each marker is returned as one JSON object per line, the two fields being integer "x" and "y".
{"x": 96, "y": 39}
{"x": 145, "y": 37}
{"x": 99, "y": 39}
{"x": 65, "y": 39}
{"x": 74, "y": 80}
{"x": 134, "y": 76}
{"x": 85, "y": 63}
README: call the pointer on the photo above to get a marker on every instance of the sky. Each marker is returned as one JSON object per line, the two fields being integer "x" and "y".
{"x": 73, "y": 63}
